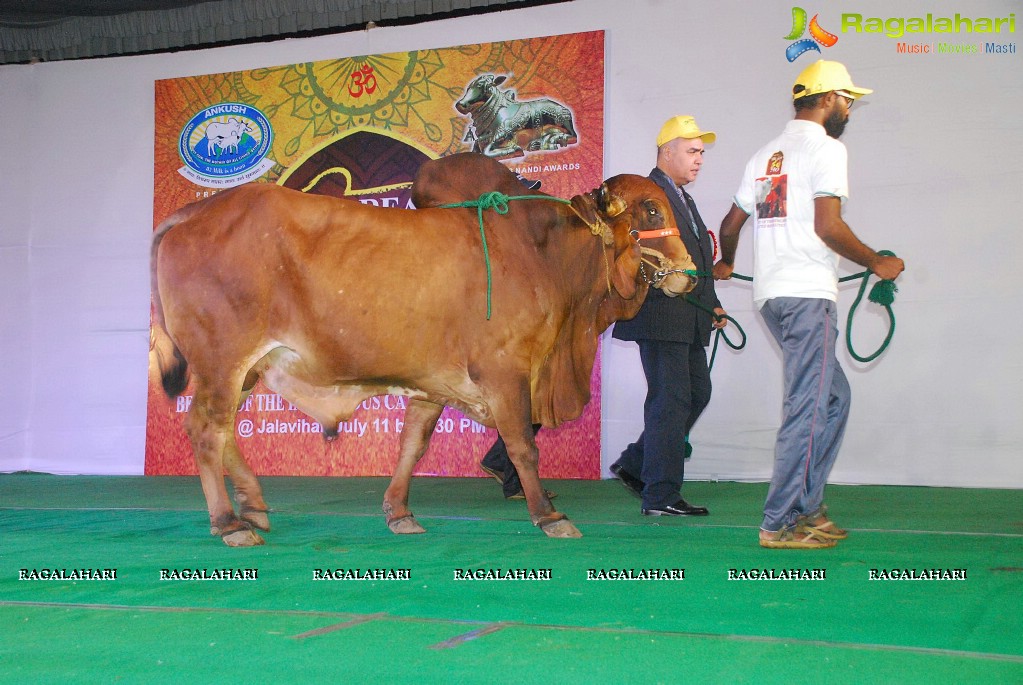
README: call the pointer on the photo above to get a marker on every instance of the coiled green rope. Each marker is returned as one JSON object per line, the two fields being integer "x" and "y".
{"x": 499, "y": 203}
{"x": 883, "y": 293}
{"x": 720, "y": 333}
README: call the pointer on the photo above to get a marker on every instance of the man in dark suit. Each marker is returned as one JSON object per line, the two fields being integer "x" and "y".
{"x": 672, "y": 335}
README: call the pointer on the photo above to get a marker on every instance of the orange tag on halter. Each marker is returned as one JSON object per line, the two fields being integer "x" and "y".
{"x": 662, "y": 233}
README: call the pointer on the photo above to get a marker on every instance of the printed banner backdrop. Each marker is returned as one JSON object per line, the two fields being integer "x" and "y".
{"x": 359, "y": 127}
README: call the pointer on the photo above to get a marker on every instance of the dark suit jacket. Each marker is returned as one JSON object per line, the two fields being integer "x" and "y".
{"x": 672, "y": 318}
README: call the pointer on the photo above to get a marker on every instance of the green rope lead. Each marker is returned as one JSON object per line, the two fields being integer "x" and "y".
{"x": 720, "y": 332}
{"x": 883, "y": 293}
{"x": 499, "y": 203}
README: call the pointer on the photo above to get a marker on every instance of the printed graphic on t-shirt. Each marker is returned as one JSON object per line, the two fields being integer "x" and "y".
{"x": 771, "y": 197}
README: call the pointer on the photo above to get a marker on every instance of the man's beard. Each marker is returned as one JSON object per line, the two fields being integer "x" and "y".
{"x": 835, "y": 124}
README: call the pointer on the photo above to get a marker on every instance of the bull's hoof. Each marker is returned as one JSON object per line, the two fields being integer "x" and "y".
{"x": 406, "y": 525}
{"x": 243, "y": 537}
{"x": 257, "y": 518}
{"x": 560, "y": 528}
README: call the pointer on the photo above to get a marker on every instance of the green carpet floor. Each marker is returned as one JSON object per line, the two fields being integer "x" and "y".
{"x": 286, "y": 627}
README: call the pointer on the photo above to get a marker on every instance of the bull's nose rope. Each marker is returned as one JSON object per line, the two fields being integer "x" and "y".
{"x": 883, "y": 293}
{"x": 499, "y": 203}
{"x": 662, "y": 269}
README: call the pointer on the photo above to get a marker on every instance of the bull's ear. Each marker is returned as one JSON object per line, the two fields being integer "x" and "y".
{"x": 498, "y": 80}
{"x": 586, "y": 207}
{"x": 609, "y": 204}
{"x": 623, "y": 276}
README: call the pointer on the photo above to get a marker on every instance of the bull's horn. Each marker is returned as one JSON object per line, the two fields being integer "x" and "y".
{"x": 611, "y": 205}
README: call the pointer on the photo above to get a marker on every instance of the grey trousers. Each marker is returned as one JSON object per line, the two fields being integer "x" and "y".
{"x": 817, "y": 399}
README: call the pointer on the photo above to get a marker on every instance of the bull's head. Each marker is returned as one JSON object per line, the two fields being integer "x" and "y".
{"x": 633, "y": 214}
{"x": 478, "y": 91}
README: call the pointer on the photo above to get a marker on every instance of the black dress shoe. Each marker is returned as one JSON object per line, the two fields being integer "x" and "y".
{"x": 499, "y": 475}
{"x": 522, "y": 495}
{"x": 634, "y": 485}
{"x": 529, "y": 183}
{"x": 679, "y": 508}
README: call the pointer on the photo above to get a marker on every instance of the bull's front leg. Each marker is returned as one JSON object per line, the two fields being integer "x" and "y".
{"x": 522, "y": 450}
{"x": 420, "y": 421}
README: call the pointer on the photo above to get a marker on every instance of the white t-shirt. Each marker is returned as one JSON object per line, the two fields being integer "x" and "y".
{"x": 778, "y": 189}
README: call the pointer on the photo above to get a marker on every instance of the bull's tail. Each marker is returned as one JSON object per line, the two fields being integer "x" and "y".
{"x": 163, "y": 352}
{"x": 170, "y": 362}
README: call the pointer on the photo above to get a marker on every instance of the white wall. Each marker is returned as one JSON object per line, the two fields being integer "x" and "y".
{"x": 16, "y": 315}
{"x": 936, "y": 172}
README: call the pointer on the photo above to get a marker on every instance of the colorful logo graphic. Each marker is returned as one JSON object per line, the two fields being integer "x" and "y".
{"x": 818, "y": 36}
{"x": 225, "y": 145}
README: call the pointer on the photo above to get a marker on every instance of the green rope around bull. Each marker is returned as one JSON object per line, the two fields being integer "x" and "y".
{"x": 499, "y": 203}
{"x": 883, "y": 293}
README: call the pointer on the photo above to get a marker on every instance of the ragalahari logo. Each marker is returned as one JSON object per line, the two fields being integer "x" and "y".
{"x": 818, "y": 36}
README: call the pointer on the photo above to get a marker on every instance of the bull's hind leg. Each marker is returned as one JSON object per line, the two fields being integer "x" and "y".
{"x": 518, "y": 438}
{"x": 420, "y": 420}
{"x": 210, "y": 425}
{"x": 247, "y": 492}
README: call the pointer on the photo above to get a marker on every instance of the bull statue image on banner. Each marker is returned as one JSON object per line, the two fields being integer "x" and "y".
{"x": 503, "y": 127}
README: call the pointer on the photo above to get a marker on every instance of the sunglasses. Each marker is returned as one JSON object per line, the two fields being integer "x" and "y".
{"x": 849, "y": 99}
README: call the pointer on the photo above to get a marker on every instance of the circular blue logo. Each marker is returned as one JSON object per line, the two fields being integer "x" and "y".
{"x": 225, "y": 141}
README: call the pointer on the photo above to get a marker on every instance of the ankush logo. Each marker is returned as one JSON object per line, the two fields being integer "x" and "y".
{"x": 225, "y": 145}
{"x": 818, "y": 36}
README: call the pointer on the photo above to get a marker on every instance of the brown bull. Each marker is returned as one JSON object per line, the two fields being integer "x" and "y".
{"x": 265, "y": 282}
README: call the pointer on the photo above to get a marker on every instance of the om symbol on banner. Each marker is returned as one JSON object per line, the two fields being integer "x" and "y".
{"x": 363, "y": 81}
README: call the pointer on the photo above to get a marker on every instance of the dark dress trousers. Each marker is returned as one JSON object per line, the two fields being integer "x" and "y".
{"x": 672, "y": 335}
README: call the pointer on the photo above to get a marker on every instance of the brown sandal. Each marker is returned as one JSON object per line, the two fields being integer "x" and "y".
{"x": 827, "y": 530}
{"x": 790, "y": 538}
{"x": 821, "y": 525}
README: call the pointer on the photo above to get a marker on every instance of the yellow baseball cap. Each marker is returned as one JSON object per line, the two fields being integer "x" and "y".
{"x": 683, "y": 126}
{"x": 822, "y": 77}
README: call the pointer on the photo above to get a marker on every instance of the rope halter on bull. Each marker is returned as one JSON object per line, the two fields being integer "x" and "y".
{"x": 498, "y": 202}
{"x": 664, "y": 266}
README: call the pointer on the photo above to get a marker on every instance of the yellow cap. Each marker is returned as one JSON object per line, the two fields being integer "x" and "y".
{"x": 683, "y": 127}
{"x": 822, "y": 77}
